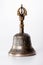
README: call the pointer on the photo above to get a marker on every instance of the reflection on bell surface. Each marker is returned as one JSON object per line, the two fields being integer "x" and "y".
{"x": 21, "y": 41}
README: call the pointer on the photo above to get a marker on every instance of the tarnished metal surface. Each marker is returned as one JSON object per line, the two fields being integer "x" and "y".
{"x": 22, "y": 45}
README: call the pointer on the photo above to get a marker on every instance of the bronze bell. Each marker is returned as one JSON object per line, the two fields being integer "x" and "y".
{"x": 21, "y": 41}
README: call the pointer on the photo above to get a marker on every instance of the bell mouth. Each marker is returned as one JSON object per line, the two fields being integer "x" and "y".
{"x": 22, "y": 46}
{"x": 22, "y": 53}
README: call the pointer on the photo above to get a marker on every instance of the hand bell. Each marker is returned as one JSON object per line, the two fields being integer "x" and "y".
{"x": 21, "y": 41}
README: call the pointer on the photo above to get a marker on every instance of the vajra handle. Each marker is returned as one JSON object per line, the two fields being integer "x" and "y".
{"x": 22, "y": 13}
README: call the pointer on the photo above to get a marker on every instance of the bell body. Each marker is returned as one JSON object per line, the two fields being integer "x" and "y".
{"x": 22, "y": 45}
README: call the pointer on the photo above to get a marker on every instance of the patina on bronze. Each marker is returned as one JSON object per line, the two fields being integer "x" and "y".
{"x": 21, "y": 41}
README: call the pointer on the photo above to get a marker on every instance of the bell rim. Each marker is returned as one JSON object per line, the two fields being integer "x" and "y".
{"x": 22, "y": 55}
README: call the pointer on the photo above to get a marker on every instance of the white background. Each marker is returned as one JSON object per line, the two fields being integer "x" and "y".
{"x": 9, "y": 26}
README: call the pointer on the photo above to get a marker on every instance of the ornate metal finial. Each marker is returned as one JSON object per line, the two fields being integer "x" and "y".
{"x": 22, "y": 13}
